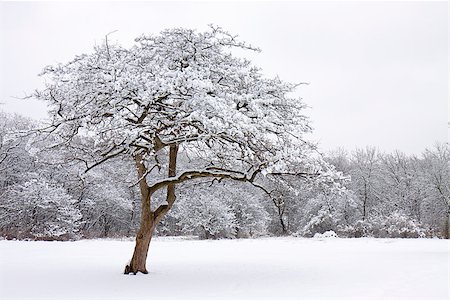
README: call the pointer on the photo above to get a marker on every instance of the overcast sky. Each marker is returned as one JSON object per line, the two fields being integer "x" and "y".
{"x": 377, "y": 71}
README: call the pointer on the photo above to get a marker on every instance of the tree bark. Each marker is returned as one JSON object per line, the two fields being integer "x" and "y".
{"x": 143, "y": 238}
{"x": 147, "y": 224}
{"x": 150, "y": 219}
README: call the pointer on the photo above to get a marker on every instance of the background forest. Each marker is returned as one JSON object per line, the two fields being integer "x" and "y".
{"x": 385, "y": 195}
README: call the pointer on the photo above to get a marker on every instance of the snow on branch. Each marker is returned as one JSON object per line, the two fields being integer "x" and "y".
{"x": 207, "y": 172}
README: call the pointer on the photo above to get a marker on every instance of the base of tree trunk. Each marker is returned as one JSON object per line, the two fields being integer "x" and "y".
{"x": 138, "y": 261}
{"x": 129, "y": 270}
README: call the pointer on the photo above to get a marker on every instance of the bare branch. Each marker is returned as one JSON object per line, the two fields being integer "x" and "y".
{"x": 108, "y": 157}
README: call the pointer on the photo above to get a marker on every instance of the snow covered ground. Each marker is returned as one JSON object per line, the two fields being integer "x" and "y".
{"x": 269, "y": 268}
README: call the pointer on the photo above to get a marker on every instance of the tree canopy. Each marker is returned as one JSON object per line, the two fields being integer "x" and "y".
{"x": 179, "y": 87}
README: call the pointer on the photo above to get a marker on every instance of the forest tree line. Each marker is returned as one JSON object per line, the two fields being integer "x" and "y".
{"x": 45, "y": 194}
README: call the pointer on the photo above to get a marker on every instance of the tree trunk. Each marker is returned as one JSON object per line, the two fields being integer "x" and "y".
{"x": 147, "y": 225}
{"x": 446, "y": 225}
{"x": 281, "y": 208}
{"x": 150, "y": 219}
{"x": 143, "y": 238}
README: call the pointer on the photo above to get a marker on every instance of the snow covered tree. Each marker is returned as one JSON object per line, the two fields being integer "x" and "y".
{"x": 365, "y": 176}
{"x": 108, "y": 205}
{"x": 396, "y": 190}
{"x": 435, "y": 176}
{"x": 328, "y": 206}
{"x": 15, "y": 160}
{"x": 205, "y": 214}
{"x": 400, "y": 185}
{"x": 250, "y": 216}
{"x": 220, "y": 210}
{"x": 181, "y": 91}
{"x": 32, "y": 205}
{"x": 39, "y": 209}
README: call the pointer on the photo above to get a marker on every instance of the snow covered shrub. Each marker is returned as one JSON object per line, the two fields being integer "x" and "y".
{"x": 361, "y": 228}
{"x": 322, "y": 222}
{"x": 326, "y": 234}
{"x": 38, "y": 210}
{"x": 329, "y": 209}
{"x": 398, "y": 225}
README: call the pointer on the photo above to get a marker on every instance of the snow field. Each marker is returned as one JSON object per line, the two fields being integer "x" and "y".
{"x": 269, "y": 268}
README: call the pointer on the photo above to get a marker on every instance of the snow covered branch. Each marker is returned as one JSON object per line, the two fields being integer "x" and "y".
{"x": 189, "y": 175}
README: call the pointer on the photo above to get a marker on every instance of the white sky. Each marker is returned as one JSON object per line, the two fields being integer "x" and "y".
{"x": 378, "y": 71}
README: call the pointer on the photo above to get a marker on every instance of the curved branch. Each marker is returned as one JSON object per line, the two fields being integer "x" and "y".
{"x": 214, "y": 172}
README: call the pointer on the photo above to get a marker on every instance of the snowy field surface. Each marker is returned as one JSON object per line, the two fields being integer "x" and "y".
{"x": 270, "y": 268}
